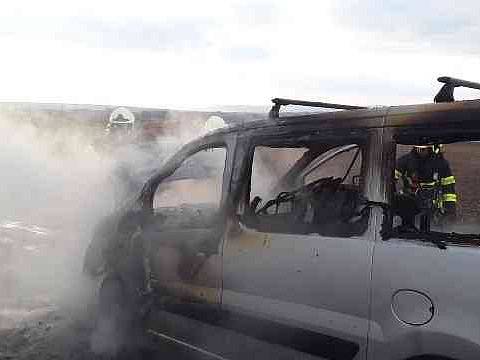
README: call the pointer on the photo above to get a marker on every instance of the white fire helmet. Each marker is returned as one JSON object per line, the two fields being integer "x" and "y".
{"x": 121, "y": 121}
{"x": 214, "y": 122}
{"x": 433, "y": 149}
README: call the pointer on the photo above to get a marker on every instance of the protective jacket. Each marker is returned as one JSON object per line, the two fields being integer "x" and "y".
{"x": 429, "y": 171}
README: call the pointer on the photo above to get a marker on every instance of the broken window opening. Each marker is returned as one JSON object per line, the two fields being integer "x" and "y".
{"x": 193, "y": 193}
{"x": 306, "y": 190}
{"x": 434, "y": 193}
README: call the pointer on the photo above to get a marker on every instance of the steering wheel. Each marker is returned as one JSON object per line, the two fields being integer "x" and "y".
{"x": 302, "y": 192}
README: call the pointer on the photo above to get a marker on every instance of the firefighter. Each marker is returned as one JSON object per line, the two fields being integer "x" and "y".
{"x": 425, "y": 175}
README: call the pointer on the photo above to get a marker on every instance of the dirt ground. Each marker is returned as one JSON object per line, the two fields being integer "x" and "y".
{"x": 464, "y": 161}
{"x": 51, "y": 333}
{"x": 43, "y": 327}
{"x": 49, "y": 316}
{"x": 45, "y": 333}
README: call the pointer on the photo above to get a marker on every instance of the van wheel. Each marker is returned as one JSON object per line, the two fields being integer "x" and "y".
{"x": 113, "y": 318}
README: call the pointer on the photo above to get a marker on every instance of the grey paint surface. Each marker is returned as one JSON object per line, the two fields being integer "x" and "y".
{"x": 448, "y": 278}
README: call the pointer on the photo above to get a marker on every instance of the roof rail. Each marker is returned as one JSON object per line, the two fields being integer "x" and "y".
{"x": 446, "y": 92}
{"x": 278, "y": 102}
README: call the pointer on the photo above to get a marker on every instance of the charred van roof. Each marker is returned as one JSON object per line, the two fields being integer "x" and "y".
{"x": 460, "y": 112}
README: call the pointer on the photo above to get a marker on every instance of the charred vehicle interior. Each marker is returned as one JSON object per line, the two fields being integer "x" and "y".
{"x": 305, "y": 193}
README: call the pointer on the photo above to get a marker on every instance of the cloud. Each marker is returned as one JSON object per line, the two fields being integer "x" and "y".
{"x": 439, "y": 25}
{"x": 243, "y": 54}
{"x": 363, "y": 90}
{"x": 125, "y": 33}
{"x": 189, "y": 53}
{"x": 256, "y": 13}
{"x": 144, "y": 24}
{"x": 136, "y": 33}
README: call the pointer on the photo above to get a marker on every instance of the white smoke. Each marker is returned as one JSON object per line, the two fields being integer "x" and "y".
{"x": 54, "y": 188}
{"x": 59, "y": 179}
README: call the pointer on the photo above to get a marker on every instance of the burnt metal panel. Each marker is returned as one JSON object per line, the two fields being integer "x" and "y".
{"x": 326, "y": 120}
{"x": 462, "y": 113}
{"x": 376, "y": 175}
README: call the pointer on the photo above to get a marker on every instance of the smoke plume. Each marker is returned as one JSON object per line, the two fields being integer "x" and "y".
{"x": 54, "y": 187}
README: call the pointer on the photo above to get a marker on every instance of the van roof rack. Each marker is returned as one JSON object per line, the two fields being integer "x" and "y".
{"x": 446, "y": 92}
{"x": 279, "y": 102}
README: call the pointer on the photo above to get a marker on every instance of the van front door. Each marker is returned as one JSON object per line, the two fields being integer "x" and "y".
{"x": 297, "y": 266}
{"x": 185, "y": 236}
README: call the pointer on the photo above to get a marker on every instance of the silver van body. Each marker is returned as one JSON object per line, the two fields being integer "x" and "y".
{"x": 253, "y": 292}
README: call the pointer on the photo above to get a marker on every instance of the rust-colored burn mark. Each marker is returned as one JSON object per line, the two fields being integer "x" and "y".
{"x": 191, "y": 292}
{"x": 246, "y": 239}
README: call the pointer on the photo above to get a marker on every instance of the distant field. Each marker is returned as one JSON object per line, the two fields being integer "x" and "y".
{"x": 465, "y": 163}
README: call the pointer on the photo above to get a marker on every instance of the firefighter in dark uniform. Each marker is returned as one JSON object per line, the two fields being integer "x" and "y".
{"x": 424, "y": 170}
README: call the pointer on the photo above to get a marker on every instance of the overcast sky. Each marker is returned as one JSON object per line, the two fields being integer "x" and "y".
{"x": 182, "y": 54}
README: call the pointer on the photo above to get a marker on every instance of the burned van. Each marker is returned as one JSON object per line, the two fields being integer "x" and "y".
{"x": 307, "y": 236}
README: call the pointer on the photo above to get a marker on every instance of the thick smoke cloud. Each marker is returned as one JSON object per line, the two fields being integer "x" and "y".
{"x": 54, "y": 188}
{"x": 59, "y": 180}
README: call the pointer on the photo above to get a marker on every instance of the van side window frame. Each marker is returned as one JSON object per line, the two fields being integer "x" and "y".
{"x": 337, "y": 140}
{"x": 228, "y": 142}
